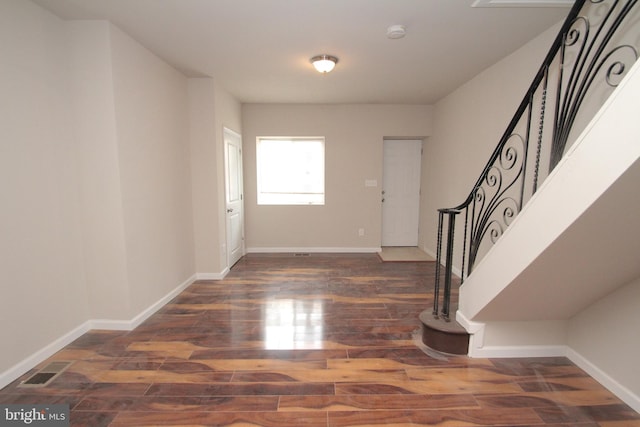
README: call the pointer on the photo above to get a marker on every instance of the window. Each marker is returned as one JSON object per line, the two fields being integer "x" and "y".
{"x": 290, "y": 171}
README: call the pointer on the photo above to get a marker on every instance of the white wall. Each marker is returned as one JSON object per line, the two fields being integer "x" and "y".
{"x": 101, "y": 208}
{"x": 97, "y": 218}
{"x": 41, "y": 257}
{"x": 151, "y": 105}
{"x": 131, "y": 122}
{"x": 468, "y": 123}
{"x": 203, "y": 174}
{"x": 605, "y": 335}
{"x": 353, "y": 154}
{"x": 211, "y": 109}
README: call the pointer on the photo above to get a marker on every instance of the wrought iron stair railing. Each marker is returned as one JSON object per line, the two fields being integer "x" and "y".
{"x": 594, "y": 49}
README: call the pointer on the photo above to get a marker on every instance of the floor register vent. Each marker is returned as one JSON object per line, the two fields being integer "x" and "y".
{"x": 45, "y": 375}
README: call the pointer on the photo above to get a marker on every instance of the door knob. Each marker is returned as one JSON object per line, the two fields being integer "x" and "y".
{"x": 229, "y": 210}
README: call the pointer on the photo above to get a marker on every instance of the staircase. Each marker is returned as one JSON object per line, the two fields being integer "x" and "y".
{"x": 594, "y": 50}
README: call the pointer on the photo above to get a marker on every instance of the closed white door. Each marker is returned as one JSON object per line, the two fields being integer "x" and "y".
{"x": 401, "y": 192}
{"x": 234, "y": 198}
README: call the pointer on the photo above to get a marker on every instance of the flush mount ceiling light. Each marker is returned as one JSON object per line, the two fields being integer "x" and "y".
{"x": 324, "y": 63}
{"x": 396, "y": 32}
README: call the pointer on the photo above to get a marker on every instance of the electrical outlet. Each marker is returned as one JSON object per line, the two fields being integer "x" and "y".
{"x": 361, "y": 232}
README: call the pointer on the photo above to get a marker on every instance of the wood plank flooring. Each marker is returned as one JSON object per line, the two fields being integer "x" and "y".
{"x": 323, "y": 340}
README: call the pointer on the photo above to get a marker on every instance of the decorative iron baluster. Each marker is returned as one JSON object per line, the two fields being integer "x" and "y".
{"x": 543, "y": 105}
{"x": 464, "y": 244}
{"x": 436, "y": 288}
{"x": 446, "y": 303}
{"x": 592, "y": 57}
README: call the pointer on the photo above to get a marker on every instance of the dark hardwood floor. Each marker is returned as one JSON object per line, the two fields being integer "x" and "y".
{"x": 323, "y": 340}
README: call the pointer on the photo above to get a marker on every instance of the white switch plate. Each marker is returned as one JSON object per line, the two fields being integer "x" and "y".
{"x": 370, "y": 182}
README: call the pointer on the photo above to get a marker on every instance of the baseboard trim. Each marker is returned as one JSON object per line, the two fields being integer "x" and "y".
{"x": 623, "y": 393}
{"x": 13, "y": 373}
{"x": 149, "y": 311}
{"x": 429, "y": 252}
{"x": 519, "y": 351}
{"x": 479, "y": 350}
{"x": 110, "y": 325}
{"x": 213, "y": 276}
{"x": 313, "y": 250}
{"x": 50, "y": 349}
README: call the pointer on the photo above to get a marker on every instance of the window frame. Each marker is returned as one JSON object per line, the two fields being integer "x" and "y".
{"x": 295, "y": 190}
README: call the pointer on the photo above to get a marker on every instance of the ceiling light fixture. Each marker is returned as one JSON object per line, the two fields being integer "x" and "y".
{"x": 324, "y": 63}
{"x": 396, "y": 32}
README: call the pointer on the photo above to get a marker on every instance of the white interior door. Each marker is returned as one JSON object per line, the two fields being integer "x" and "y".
{"x": 234, "y": 199}
{"x": 401, "y": 192}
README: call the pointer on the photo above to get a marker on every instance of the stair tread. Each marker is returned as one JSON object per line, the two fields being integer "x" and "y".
{"x": 451, "y": 327}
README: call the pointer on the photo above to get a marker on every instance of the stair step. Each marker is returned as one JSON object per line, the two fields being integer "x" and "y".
{"x": 447, "y": 337}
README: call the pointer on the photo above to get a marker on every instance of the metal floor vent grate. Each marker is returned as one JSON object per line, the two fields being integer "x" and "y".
{"x": 301, "y": 254}
{"x": 45, "y": 375}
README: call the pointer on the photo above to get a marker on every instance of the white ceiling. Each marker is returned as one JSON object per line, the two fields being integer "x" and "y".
{"x": 259, "y": 50}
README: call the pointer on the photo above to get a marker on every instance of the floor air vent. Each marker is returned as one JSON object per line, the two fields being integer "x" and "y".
{"x": 45, "y": 375}
{"x": 301, "y": 254}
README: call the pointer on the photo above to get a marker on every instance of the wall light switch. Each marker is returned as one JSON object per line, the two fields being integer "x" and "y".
{"x": 370, "y": 182}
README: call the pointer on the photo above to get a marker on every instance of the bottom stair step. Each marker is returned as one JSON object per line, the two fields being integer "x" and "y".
{"x": 447, "y": 337}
